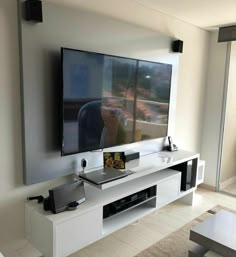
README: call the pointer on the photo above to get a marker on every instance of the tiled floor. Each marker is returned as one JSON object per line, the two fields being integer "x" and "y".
{"x": 230, "y": 189}
{"x": 136, "y": 237}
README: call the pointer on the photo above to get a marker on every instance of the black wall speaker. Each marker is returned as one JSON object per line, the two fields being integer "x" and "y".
{"x": 227, "y": 34}
{"x": 33, "y": 10}
{"x": 177, "y": 46}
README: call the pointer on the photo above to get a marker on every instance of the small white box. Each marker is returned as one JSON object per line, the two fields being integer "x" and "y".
{"x": 200, "y": 172}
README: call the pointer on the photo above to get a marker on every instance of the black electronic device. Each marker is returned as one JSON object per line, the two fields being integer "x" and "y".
{"x": 106, "y": 98}
{"x": 84, "y": 163}
{"x": 127, "y": 202}
{"x": 102, "y": 176}
{"x": 39, "y": 198}
{"x": 227, "y": 33}
{"x": 177, "y": 46}
{"x": 33, "y": 10}
{"x": 188, "y": 176}
{"x": 65, "y": 197}
{"x": 171, "y": 147}
{"x": 131, "y": 155}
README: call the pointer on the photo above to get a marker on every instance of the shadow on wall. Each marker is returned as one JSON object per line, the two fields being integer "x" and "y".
{"x": 52, "y": 89}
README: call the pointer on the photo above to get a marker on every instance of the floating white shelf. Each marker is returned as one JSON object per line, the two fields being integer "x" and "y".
{"x": 59, "y": 235}
{"x": 149, "y": 164}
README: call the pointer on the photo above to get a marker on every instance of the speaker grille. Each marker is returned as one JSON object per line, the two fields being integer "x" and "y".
{"x": 177, "y": 46}
{"x": 227, "y": 34}
{"x": 33, "y": 10}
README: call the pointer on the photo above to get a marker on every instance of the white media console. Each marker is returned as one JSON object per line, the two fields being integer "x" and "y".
{"x": 59, "y": 235}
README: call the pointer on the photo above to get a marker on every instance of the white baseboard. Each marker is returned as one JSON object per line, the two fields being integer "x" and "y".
{"x": 207, "y": 187}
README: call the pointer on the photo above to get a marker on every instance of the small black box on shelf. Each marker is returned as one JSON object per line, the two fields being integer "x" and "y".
{"x": 131, "y": 155}
{"x": 129, "y": 202}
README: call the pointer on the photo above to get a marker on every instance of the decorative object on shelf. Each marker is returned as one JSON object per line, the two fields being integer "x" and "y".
{"x": 114, "y": 160}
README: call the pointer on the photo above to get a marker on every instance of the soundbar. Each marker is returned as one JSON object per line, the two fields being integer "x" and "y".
{"x": 131, "y": 155}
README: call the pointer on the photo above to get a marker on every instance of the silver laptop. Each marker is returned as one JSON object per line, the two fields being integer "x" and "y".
{"x": 103, "y": 175}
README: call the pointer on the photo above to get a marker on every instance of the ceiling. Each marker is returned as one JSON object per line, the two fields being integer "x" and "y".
{"x": 201, "y": 13}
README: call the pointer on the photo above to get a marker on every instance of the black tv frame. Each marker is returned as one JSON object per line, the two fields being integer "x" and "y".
{"x": 135, "y": 98}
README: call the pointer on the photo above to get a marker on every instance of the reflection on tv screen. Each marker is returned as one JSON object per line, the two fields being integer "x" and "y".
{"x": 109, "y": 100}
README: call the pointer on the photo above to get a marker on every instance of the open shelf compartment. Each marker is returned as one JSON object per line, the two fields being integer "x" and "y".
{"x": 128, "y": 209}
{"x": 118, "y": 221}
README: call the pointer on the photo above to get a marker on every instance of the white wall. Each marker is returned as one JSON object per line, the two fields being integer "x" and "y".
{"x": 77, "y": 30}
{"x": 213, "y": 107}
{"x": 193, "y": 65}
{"x": 12, "y": 191}
{"x": 188, "y": 120}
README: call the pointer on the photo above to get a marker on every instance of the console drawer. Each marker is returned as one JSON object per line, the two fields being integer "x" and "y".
{"x": 78, "y": 232}
{"x": 168, "y": 190}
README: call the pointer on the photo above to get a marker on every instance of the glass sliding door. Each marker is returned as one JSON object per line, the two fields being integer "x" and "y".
{"x": 227, "y": 176}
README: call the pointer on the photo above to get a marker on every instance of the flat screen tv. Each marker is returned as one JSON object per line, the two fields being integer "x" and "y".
{"x": 110, "y": 100}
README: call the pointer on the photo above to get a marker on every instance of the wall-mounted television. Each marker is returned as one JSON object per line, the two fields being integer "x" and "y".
{"x": 110, "y": 100}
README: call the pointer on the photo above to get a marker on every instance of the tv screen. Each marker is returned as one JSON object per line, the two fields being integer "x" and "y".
{"x": 110, "y": 100}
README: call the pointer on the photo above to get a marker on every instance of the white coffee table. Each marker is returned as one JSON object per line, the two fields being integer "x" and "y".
{"x": 217, "y": 233}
